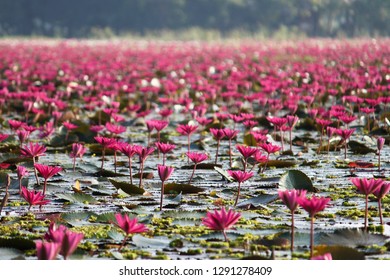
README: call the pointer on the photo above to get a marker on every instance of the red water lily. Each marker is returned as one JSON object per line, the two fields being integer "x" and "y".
{"x": 164, "y": 148}
{"x": 380, "y": 193}
{"x": 367, "y": 186}
{"x": 33, "y": 151}
{"x": 221, "y": 220}
{"x": 218, "y": 135}
{"x": 240, "y": 177}
{"x": 196, "y": 158}
{"x": 164, "y": 172}
{"x": 78, "y": 150}
{"x": 129, "y": 226}
{"x": 33, "y": 197}
{"x": 187, "y": 130}
{"x": 47, "y": 250}
{"x": 47, "y": 172}
{"x": 313, "y": 205}
{"x": 290, "y": 198}
{"x": 129, "y": 151}
{"x": 105, "y": 142}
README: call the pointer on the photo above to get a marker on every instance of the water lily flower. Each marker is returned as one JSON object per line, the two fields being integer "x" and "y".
{"x": 187, "y": 130}
{"x": 313, "y": 205}
{"x": 240, "y": 177}
{"x": 218, "y": 135}
{"x": 196, "y": 158}
{"x": 291, "y": 122}
{"x": 143, "y": 153}
{"x": 47, "y": 250}
{"x": 78, "y": 150}
{"x": 230, "y": 134}
{"x": 221, "y": 220}
{"x": 164, "y": 148}
{"x": 129, "y": 151}
{"x": 246, "y": 153}
{"x": 290, "y": 199}
{"x": 115, "y": 129}
{"x": 33, "y": 197}
{"x": 164, "y": 172}
{"x": 379, "y": 143}
{"x": 47, "y": 172}
{"x": 345, "y": 134}
{"x": 129, "y": 226}
{"x": 269, "y": 149}
{"x": 33, "y": 151}
{"x": 21, "y": 171}
{"x": 324, "y": 257}
{"x": 367, "y": 186}
{"x": 105, "y": 142}
{"x": 67, "y": 239}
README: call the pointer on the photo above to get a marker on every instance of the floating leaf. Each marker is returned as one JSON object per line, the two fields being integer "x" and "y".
{"x": 279, "y": 163}
{"x": 117, "y": 255}
{"x": 145, "y": 175}
{"x": 181, "y": 188}
{"x": 295, "y": 179}
{"x": 359, "y": 148}
{"x": 115, "y": 235}
{"x": 77, "y": 197}
{"x": 224, "y": 174}
{"x": 360, "y": 164}
{"x": 353, "y": 238}
{"x": 17, "y": 243}
{"x": 339, "y": 252}
{"x": 250, "y": 140}
{"x": 204, "y": 166}
{"x": 108, "y": 173}
{"x": 127, "y": 187}
{"x": 108, "y": 217}
{"x": 10, "y": 254}
{"x": 76, "y": 187}
{"x": 256, "y": 202}
{"x": 143, "y": 242}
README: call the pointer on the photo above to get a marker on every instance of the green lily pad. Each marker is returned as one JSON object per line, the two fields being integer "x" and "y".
{"x": 224, "y": 174}
{"x": 204, "y": 166}
{"x": 359, "y": 148}
{"x": 250, "y": 140}
{"x": 181, "y": 188}
{"x": 279, "y": 163}
{"x": 353, "y": 238}
{"x": 77, "y": 198}
{"x": 10, "y": 254}
{"x": 145, "y": 175}
{"x": 295, "y": 179}
{"x": 256, "y": 202}
{"x": 108, "y": 173}
{"x": 17, "y": 243}
{"x": 143, "y": 242}
{"x": 127, "y": 187}
{"x": 339, "y": 252}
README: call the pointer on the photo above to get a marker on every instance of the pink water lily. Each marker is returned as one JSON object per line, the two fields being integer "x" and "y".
{"x": 47, "y": 172}
{"x": 33, "y": 197}
{"x": 164, "y": 172}
{"x": 313, "y": 205}
{"x": 47, "y": 250}
{"x": 196, "y": 158}
{"x": 33, "y": 151}
{"x": 129, "y": 226}
{"x": 240, "y": 177}
{"x": 78, "y": 151}
{"x": 221, "y": 220}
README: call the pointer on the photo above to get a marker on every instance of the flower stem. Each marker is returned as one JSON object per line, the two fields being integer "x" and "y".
{"x": 238, "y": 194}
{"x": 380, "y": 211}
{"x": 35, "y": 172}
{"x": 292, "y": 232}
{"x": 162, "y": 195}
{"x": 192, "y": 175}
{"x": 141, "y": 173}
{"x": 74, "y": 164}
{"x": 216, "y": 153}
{"x": 44, "y": 186}
{"x": 311, "y": 236}
{"x": 103, "y": 156}
{"x": 225, "y": 236}
{"x": 366, "y": 214}
{"x": 131, "y": 174}
{"x": 230, "y": 152}
{"x": 123, "y": 243}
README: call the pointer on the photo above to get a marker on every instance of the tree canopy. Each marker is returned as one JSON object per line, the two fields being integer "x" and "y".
{"x": 79, "y": 18}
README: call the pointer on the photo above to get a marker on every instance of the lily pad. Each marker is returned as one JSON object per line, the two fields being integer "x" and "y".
{"x": 143, "y": 242}
{"x": 181, "y": 188}
{"x": 10, "y": 253}
{"x": 127, "y": 187}
{"x": 204, "y": 166}
{"x": 250, "y": 140}
{"x": 256, "y": 202}
{"x": 224, "y": 174}
{"x": 108, "y": 173}
{"x": 340, "y": 252}
{"x": 353, "y": 238}
{"x": 77, "y": 197}
{"x": 145, "y": 175}
{"x": 17, "y": 243}
{"x": 279, "y": 163}
{"x": 295, "y": 179}
{"x": 359, "y": 148}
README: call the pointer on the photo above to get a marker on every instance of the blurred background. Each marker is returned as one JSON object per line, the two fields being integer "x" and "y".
{"x": 195, "y": 19}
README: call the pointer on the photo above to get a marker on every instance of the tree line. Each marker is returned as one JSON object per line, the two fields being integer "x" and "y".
{"x": 82, "y": 18}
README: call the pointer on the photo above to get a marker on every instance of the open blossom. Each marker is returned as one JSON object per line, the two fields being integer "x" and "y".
{"x": 221, "y": 220}
{"x": 240, "y": 176}
{"x": 115, "y": 129}
{"x": 46, "y": 172}
{"x": 291, "y": 197}
{"x": 197, "y": 158}
{"x": 129, "y": 226}
{"x": 367, "y": 186}
{"x": 186, "y": 129}
{"x": 33, "y": 197}
{"x": 314, "y": 204}
{"x": 33, "y": 150}
{"x": 69, "y": 125}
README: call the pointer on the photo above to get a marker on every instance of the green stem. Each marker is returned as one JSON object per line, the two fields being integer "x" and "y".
{"x": 238, "y": 194}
